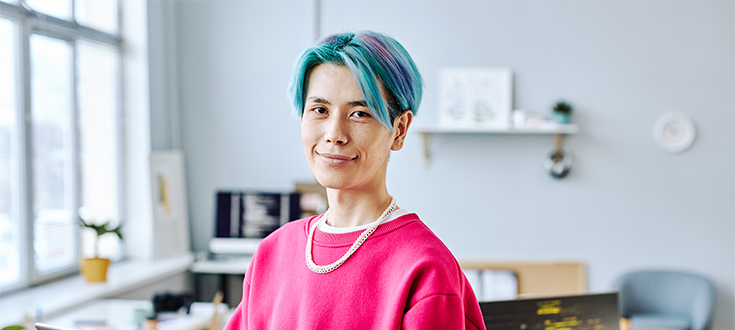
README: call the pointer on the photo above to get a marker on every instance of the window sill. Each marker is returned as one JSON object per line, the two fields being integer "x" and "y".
{"x": 56, "y": 297}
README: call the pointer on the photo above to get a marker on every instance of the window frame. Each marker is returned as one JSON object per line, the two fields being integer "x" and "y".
{"x": 28, "y": 23}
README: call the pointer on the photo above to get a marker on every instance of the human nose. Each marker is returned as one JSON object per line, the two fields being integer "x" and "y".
{"x": 336, "y": 132}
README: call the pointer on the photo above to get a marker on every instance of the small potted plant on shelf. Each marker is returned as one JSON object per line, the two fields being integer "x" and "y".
{"x": 563, "y": 112}
{"x": 95, "y": 269}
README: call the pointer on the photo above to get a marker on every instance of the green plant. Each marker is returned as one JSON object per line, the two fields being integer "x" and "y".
{"x": 102, "y": 229}
{"x": 14, "y": 327}
{"x": 563, "y": 107}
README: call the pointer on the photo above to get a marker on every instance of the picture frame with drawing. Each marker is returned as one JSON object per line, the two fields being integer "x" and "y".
{"x": 475, "y": 97}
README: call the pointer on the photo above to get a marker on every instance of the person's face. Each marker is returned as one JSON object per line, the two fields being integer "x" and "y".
{"x": 345, "y": 145}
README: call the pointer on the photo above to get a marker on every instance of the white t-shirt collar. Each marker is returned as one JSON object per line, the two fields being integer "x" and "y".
{"x": 324, "y": 227}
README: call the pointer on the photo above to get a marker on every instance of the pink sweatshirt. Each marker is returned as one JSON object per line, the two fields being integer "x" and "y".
{"x": 402, "y": 277}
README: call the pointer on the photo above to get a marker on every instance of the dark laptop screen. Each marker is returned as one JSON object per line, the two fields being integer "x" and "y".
{"x": 585, "y": 312}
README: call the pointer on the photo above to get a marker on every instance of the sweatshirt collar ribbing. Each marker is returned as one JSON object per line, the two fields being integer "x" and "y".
{"x": 347, "y": 239}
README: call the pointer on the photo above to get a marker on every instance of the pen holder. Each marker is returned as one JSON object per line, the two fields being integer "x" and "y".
{"x": 150, "y": 324}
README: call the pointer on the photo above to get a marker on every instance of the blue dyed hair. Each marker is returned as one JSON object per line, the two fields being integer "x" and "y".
{"x": 374, "y": 59}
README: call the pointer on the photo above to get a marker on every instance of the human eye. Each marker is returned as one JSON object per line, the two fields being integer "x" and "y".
{"x": 361, "y": 114}
{"x": 319, "y": 110}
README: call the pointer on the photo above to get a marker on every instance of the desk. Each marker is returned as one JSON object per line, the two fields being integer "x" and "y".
{"x": 231, "y": 266}
{"x": 119, "y": 314}
{"x": 223, "y": 270}
{"x": 625, "y": 325}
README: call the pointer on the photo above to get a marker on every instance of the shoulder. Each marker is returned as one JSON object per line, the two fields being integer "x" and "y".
{"x": 281, "y": 246}
{"x": 414, "y": 245}
{"x": 422, "y": 244}
{"x": 293, "y": 226}
{"x": 288, "y": 232}
{"x": 284, "y": 239}
{"x": 438, "y": 285}
{"x": 432, "y": 271}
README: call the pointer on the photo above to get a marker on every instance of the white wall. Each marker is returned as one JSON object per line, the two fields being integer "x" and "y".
{"x": 626, "y": 204}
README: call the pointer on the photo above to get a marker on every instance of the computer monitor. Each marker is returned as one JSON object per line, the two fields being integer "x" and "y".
{"x": 243, "y": 214}
{"x": 582, "y": 312}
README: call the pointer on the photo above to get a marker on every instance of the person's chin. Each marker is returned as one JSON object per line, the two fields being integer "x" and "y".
{"x": 333, "y": 184}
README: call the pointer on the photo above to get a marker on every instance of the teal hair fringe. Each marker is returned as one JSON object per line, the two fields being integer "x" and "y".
{"x": 374, "y": 59}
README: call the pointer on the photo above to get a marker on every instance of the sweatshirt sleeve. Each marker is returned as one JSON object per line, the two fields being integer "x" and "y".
{"x": 438, "y": 312}
{"x": 237, "y": 321}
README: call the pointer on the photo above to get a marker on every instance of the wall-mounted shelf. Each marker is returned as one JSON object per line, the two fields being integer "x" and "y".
{"x": 555, "y": 129}
{"x": 426, "y": 131}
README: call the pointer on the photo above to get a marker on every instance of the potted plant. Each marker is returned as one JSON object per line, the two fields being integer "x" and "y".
{"x": 563, "y": 112}
{"x": 95, "y": 269}
{"x": 14, "y": 327}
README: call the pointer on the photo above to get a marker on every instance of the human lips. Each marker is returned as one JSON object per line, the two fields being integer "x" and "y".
{"x": 335, "y": 159}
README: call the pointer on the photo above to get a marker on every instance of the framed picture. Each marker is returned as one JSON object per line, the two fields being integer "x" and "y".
{"x": 475, "y": 97}
{"x": 170, "y": 212}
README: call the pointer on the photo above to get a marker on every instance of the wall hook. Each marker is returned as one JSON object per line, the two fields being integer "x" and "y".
{"x": 558, "y": 161}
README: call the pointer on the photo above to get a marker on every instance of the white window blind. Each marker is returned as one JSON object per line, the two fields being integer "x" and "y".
{"x": 98, "y": 14}
{"x": 53, "y": 153}
{"x": 10, "y": 234}
{"x": 57, "y": 8}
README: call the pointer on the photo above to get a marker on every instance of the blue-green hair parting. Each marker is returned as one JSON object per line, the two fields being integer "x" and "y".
{"x": 373, "y": 58}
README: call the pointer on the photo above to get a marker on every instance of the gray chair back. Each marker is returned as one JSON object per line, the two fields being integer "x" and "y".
{"x": 668, "y": 292}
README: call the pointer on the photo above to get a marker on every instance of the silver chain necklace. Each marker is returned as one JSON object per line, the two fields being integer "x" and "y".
{"x": 363, "y": 237}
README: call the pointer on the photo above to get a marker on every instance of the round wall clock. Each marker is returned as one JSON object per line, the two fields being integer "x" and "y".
{"x": 674, "y": 132}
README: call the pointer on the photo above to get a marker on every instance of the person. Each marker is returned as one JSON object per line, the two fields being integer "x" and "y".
{"x": 365, "y": 263}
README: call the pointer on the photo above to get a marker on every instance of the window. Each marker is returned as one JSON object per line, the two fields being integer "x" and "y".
{"x": 10, "y": 224}
{"x": 60, "y": 150}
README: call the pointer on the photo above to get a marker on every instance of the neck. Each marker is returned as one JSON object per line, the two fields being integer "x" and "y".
{"x": 355, "y": 208}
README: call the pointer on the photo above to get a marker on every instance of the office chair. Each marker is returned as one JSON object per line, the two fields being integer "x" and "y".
{"x": 666, "y": 299}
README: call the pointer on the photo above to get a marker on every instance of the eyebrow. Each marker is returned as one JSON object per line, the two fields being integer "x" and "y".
{"x": 360, "y": 103}
{"x": 317, "y": 99}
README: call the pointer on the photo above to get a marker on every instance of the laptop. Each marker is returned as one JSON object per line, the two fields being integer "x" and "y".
{"x": 581, "y": 312}
{"x": 44, "y": 326}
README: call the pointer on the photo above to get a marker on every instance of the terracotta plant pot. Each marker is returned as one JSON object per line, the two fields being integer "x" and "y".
{"x": 95, "y": 269}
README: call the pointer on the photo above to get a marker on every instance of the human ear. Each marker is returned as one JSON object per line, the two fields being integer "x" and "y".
{"x": 400, "y": 129}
